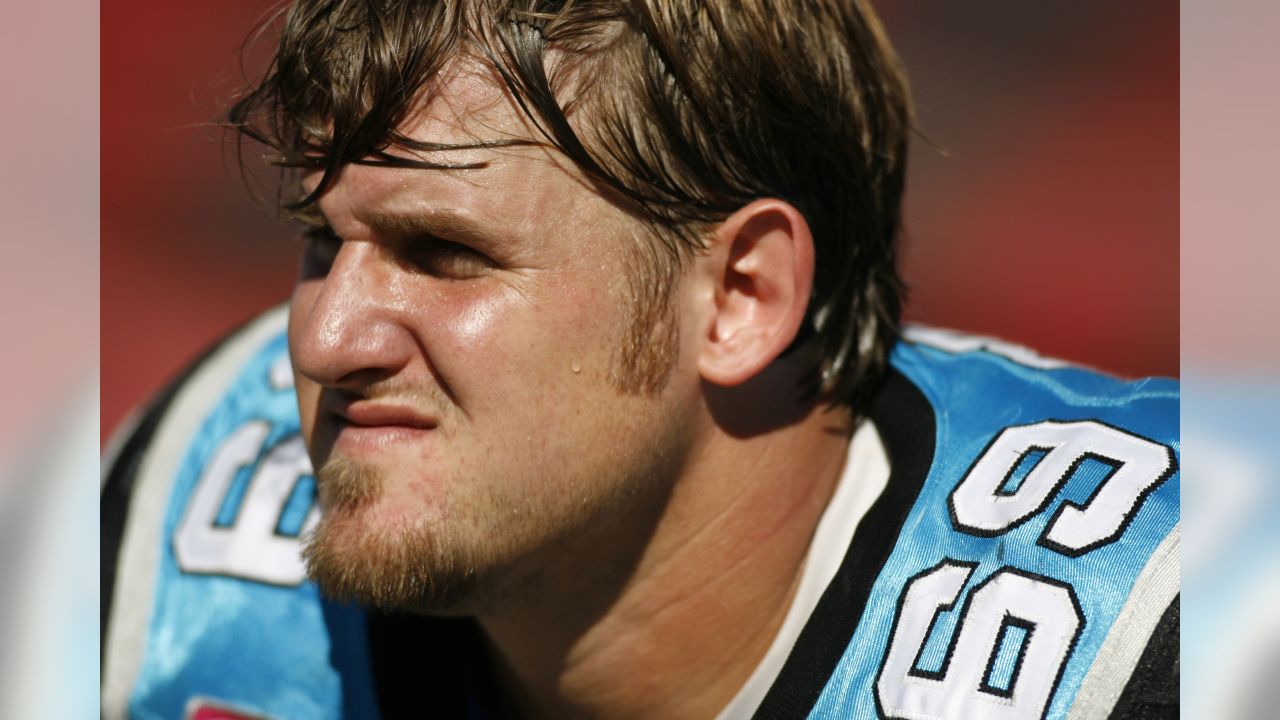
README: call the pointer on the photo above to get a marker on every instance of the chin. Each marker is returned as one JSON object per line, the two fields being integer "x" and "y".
{"x": 468, "y": 545}
{"x": 369, "y": 549}
{"x": 405, "y": 568}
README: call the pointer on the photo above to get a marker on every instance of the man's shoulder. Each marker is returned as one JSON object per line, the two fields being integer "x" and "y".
{"x": 1022, "y": 561}
{"x": 953, "y": 367}
{"x": 239, "y": 390}
{"x": 206, "y": 608}
{"x": 996, "y": 408}
{"x": 205, "y": 603}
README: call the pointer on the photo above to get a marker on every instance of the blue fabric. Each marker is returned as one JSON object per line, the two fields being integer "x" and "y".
{"x": 284, "y": 652}
{"x": 974, "y": 396}
{"x": 277, "y": 651}
{"x": 1002, "y": 670}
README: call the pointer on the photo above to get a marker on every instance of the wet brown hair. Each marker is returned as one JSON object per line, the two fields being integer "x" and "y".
{"x": 691, "y": 109}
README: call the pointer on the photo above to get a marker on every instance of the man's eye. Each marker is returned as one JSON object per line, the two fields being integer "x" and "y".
{"x": 322, "y": 245}
{"x": 445, "y": 259}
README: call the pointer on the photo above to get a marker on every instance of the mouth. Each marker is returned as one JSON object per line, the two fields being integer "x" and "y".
{"x": 365, "y": 425}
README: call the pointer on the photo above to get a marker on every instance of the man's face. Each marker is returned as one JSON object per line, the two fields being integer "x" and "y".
{"x": 456, "y": 346}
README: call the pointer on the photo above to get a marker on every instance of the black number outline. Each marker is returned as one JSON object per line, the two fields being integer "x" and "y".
{"x": 940, "y": 674}
{"x": 1043, "y": 540}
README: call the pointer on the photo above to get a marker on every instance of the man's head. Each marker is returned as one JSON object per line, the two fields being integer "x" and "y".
{"x": 543, "y": 231}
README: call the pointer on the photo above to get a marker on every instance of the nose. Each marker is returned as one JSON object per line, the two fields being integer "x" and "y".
{"x": 344, "y": 327}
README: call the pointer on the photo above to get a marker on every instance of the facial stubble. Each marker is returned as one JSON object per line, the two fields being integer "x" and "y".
{"x": 422, "y": 566}
{"x": 498, "y": 545}
{"x": 353, "y": 560}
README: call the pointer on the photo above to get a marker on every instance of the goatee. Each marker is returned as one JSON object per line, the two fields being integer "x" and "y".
{"x": 407, "y": 566}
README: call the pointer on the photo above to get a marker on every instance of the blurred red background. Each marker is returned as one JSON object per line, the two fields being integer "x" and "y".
{"x": 1042, "y": 202}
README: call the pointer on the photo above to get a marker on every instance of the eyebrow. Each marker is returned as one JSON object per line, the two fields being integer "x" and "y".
{"x": 443, "y": 223}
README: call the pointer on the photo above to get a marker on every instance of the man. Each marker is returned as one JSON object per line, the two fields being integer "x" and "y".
{"x": 594, "y": 353}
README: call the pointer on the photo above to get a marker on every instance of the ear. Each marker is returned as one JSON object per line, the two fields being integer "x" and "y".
{"x": 761, "y": 265}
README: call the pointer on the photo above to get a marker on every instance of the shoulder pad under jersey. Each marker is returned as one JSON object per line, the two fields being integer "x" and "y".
{"x": 1022, "y": 562}
{"x": 206, "y": 609}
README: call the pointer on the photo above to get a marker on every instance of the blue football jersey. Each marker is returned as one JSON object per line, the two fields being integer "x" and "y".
{"x": 1021, "y": 563}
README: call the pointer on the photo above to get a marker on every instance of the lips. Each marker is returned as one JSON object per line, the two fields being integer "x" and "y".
{"x": 368, "y": 425}
{"x": 372, "y": 414}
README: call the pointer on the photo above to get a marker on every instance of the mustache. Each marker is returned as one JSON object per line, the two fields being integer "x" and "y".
{"x": 429, "y": 399}
{"x": 425, "y": 395}
{"x": 341, "y": 481}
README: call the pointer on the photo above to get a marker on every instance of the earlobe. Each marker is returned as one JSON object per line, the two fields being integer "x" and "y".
{"x": 764, "y": 277}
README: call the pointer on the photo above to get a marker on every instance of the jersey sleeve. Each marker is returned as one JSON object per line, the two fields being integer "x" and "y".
{"x": 206, "y": 608}
{"x": 119, "y": 471}
{"x": 1025, "y": 558}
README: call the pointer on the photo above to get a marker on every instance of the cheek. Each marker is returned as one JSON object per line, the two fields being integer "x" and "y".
{"x": 308, "y": 391}
{"x": 520, "y": 323}
{"x": 472, "y": 320}
{"x": 300, "y": 305}
{"x": 522, "y": 341}
{"x": 308, "y": 401}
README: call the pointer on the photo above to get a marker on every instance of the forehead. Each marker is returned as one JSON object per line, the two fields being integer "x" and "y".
{"x": 467, "y": 102}
{"x": 519, "y": 181}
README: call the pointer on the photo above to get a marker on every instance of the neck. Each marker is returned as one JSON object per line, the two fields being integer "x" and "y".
{"x": 666, "y": 613}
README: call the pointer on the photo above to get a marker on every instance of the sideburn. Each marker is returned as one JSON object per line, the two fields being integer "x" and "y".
{"x": 646, "y": 355}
